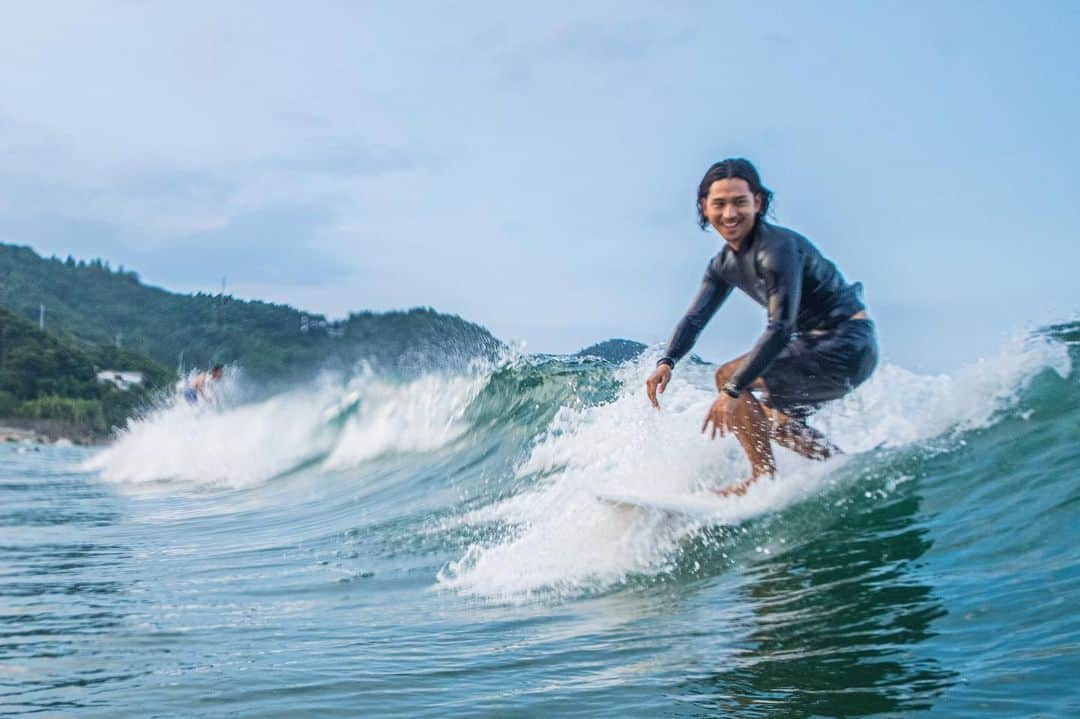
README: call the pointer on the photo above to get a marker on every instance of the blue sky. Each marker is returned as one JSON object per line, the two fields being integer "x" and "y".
{"x": 534, "y": 168}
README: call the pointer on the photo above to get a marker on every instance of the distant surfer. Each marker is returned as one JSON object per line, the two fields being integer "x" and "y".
{"x": 818, "y": 345}
{"x": 197, "y": 387}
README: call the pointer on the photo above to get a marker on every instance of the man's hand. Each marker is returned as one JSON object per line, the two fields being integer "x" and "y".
{"x": 718, "y": 415}
{"x": 658, "y": 380}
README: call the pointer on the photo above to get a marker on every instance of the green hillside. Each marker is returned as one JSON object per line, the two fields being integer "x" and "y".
{"x": 93, "y": 305}
{"x": 46, "y": 377}
{"x": 614, "y": 350}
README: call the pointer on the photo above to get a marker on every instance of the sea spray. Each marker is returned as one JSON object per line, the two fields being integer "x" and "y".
{"x": 575, "y": 427}
{"x": 420, "y": 415}
{"x": 214, "y": 444}
{"x": 340, "y": 423}
{"x": 564, "y": 540}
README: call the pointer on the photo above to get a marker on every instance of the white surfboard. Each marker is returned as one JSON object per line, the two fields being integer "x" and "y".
{"x": 700, "y": 505}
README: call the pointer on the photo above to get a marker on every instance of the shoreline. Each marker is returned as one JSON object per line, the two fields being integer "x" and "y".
{"x": 47, "y": 431}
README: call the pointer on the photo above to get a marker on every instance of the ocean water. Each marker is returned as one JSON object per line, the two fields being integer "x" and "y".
{"x": 432, "y": 546}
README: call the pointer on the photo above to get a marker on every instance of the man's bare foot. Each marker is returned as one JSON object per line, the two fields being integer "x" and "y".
{"x": 737, "y": 489}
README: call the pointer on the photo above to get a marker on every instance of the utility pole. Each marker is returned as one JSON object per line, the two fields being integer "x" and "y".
{"x": 221, "y": 303}
{"x": 41, "y": 317}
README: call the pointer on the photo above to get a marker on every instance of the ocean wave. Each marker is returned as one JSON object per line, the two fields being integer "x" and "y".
{"x": 511, "y": 456}
{"x": 563, "y": 540}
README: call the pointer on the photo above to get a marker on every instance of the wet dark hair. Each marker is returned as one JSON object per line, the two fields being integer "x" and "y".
{"x": 731, "y": 168}
{"x": 218, "y": 368}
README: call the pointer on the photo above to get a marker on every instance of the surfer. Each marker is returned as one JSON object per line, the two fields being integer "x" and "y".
{"x": 197, "y": 388}
{"x": 818, "y": 345}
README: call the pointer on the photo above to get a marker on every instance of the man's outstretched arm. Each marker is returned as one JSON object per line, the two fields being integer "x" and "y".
{"x": 710, "y": 296}
{"x": 706, "y": 302}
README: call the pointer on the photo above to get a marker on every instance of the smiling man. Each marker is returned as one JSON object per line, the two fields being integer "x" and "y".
{"x": 818, "y": 345}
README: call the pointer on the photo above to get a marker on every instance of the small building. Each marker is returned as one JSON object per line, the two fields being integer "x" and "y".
{"x": 123, "y": 380}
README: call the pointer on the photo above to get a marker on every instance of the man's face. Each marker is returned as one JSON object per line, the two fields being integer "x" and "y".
{"x": 216, "y": 374}
{"x": 730, "y": 208}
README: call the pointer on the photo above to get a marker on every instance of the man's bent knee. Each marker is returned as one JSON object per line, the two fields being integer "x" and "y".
{"x": 725, "y": 371}
{"x": 745, "y": 413}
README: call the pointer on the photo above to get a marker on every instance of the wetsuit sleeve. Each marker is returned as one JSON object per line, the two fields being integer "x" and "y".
{"x": 710, "y": 296}
{"x": 781, "y": 269}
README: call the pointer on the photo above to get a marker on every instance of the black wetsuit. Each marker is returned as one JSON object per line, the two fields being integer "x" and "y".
{"x": 811, "y": 351}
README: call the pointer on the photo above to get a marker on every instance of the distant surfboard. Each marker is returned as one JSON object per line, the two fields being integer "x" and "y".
{"x": 699, "y": 505}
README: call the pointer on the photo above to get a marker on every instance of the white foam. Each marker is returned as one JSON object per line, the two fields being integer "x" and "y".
{"x": 215, "y": 444}
{"x": 218, "y": 445}
{"x": 418, "y": 416}
{"x": 565, "y": 540}
{"x": 897, "y": 407}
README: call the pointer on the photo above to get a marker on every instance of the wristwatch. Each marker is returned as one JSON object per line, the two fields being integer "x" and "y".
{"x": 731, "y": 390}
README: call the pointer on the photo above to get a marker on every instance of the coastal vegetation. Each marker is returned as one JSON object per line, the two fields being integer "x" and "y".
{"x": 63, "y": 321}
{"x": 46, "y": 377}
{"x": 93, "y": 304}
{"x": 614, "y": 350}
